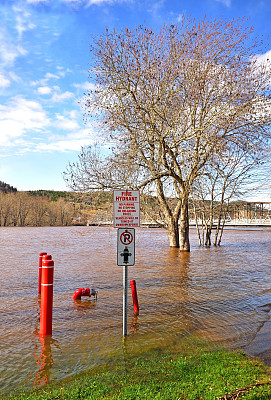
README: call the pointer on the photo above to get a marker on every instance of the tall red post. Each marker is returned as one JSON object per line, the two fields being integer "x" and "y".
{"x": 40, "y": 266}
{"x": 134, "y": 295}
{"x": 46, "y": 306}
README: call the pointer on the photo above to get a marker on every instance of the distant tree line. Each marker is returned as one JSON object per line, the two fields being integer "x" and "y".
{"x": 24, "y": 209}
{"x": 53, "y": 208}
{"x": 6, "y": 188}
{"x": 51, "y": 195}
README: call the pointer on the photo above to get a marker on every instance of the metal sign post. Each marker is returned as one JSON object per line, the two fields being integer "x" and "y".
{"x": 126, "y": 256}
{"x": 125, "y": 284}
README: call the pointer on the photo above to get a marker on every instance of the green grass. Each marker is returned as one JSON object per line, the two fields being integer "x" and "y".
{"x": 193, "y": 373}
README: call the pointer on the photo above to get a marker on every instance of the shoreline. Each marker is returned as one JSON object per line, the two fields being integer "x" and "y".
{"x": 198, "y": 371}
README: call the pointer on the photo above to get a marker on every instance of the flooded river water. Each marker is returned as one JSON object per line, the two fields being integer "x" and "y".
{"x": 221, "y": 294}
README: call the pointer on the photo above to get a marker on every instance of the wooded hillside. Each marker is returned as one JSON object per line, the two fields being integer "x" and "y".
{"x": 6, "y": 188}
{"x": 52, "y": 208}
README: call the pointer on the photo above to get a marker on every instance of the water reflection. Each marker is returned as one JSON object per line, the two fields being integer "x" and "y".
{"x": 45, "y": 362}
{"x": 83, "y": 305}
{"x": 134, "y": 326}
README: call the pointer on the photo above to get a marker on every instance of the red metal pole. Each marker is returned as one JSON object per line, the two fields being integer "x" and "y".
{"x": 134, "y": 295}
{"x": 46, "y": 307}
{"x": 45, "y": 256}
{"x": 40, "y": 266}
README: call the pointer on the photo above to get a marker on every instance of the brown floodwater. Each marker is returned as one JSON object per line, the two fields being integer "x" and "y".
{"x": 219, "y": 294}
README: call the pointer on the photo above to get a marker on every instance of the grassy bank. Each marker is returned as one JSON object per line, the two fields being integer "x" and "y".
{"x": 193, "y": 374}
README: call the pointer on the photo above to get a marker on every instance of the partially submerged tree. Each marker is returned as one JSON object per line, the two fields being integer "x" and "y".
{"x": 169, "y": 102}
{"x": 232, "y": 174}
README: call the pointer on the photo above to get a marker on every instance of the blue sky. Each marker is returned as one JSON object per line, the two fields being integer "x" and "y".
{"x": 44, "y": 56}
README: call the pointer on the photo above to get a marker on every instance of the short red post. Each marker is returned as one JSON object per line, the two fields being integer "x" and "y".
{"x": 46, "y": 306}
{"x": 134, "y": 295}
{"x": 46, "y": 257}
{"x": 40, "y": 266}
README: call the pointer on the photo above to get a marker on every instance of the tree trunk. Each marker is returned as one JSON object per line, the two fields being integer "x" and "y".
{"x": 197, "y": 225}
{"x": 208, "y": 235}
{"x": 184, "y": 226}
{"x": 172, "y": 218}
{"x": 173, "y": 232}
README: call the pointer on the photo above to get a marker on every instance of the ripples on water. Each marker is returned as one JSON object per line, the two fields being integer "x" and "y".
{"x": 221, "y": 294}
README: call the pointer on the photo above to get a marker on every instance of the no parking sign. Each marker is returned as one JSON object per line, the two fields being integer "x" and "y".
{"x": 126, "y": 246}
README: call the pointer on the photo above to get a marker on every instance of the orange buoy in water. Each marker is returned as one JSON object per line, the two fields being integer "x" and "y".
{"x": 84, "y": 292}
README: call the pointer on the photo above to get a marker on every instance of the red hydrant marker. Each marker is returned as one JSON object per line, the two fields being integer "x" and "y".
{"x": 134, "y": 295}
{"x": 84, "y": 292}
{"x": 46, "y": 310}
{"x": 40, "y": 267}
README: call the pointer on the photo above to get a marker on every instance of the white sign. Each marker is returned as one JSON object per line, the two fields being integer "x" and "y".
{"x": 126, "y": 208}
{"x": 126, "y": 246}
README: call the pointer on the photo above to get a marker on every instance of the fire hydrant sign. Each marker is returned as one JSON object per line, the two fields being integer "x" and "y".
{"x": 126, "y": 246}
{"x": 126, "y": 208}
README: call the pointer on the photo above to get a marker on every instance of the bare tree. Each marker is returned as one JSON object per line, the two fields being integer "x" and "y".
{"x": 24, "y": 207}
{"x": 227, "y": 177}
{"x": 52, "y": 214}
{"x": 39, "y": 207}
{"x": 64, "y": 211}
{"x": 170, "y": 102}
{"x": 20, "y": 207}
{"x": 6, "y": 209}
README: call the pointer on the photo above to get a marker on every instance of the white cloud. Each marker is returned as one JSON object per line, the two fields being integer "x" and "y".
{"x": 44, "y": 90}
{"x": 44, "y": 81}
{"x": 23, "y": 21}
{"x": 88, "y": 3}
{"x": 91, "y": 2}
{"x": 9, "y": 51}
{"x": 51, "y": 76}
{"x": 180, "y": 17}
{"x": 226, "y": 3}
{"x": 74, "y": 114}
{"x": 37, "y": 1}
{"x": 74, "y": 2}
{"x": 14, "y": 77}
{"x": 10, "y": 46}
{"x": 66, "y": 124}
{"x": 264, "y": 58}
{"x": 19, "y": 117}
{"x": 59, "y": 97}
{"x": 64, "y": 145}
{"x": 71, "y": 142}
{"x": 263, "y": 62}
{"x": 9, "y": 129}
{"x": 25, "y": 127}
{"x": 85, "y": 86}
{"x": 156, "y": 8}
{"x": 4, "y": 81}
